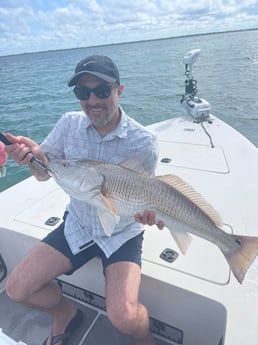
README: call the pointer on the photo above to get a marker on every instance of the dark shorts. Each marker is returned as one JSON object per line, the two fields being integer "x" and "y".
{"x": 130, "y": 251}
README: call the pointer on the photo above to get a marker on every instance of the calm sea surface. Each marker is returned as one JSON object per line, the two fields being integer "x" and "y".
{"x": 34, "y": 92}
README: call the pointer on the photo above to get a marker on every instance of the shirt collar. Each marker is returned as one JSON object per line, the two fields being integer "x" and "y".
{"x": 121, "y": 129}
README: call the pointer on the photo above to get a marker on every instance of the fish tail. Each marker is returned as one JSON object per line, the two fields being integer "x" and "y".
{"x": 240, "y": 260}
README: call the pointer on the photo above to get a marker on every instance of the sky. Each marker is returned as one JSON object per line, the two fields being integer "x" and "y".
{"x": 39, "y": 25}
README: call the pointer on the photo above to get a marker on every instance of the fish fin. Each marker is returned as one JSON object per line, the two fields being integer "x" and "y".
{"x": 107, "y": 216}
{"x": 107, "y": 203}
{"x": 188, "y": 191}
{"x": 108, "y": 220}
{"x": 182, "y": 239}
{"x": 135, "y": 163}
{"x": 240, "y": 260}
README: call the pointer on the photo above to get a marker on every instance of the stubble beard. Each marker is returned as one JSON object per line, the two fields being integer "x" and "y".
{"x": 102, "y": 121}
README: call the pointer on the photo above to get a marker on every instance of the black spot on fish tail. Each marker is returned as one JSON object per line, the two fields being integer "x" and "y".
{"x": 238, "y": 242}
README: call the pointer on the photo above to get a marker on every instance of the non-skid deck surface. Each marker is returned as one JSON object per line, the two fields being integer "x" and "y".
{"x": 32, "y": 327}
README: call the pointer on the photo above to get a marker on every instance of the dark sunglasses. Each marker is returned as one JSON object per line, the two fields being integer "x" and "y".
{"x": 101, "y": 91}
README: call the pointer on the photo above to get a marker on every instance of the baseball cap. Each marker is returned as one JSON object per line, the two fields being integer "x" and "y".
{"x": 99, "y": 65}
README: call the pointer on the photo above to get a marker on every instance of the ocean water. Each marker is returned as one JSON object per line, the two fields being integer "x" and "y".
{"x": 34, "y": 92}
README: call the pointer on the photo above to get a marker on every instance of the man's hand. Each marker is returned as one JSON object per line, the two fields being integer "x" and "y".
{"x": 149, "y": 218}
{"x": 22, "y": 149}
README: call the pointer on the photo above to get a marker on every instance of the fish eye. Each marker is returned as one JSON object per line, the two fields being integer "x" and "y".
{"x": 66, "y": 164}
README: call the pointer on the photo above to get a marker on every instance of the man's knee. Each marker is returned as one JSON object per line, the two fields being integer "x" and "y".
{"x": 124, "y": 318}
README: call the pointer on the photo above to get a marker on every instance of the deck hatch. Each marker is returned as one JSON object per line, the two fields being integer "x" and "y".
{"x": 193, "y": 156}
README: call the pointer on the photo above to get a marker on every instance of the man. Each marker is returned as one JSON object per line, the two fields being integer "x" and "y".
{"x": 102, "y": 131}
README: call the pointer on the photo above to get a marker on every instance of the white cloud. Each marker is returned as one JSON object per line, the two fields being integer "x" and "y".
{"x": 56, "y": 24}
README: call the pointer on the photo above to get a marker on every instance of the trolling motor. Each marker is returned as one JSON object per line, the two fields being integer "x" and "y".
{"x": 195, "y": 106}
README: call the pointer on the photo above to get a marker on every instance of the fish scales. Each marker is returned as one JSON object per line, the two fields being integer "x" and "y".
{"x": 124, "y": 189}
{"x": 132, "y": 192}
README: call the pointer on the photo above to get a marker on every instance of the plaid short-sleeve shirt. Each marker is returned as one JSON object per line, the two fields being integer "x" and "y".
{"x": 75, "y": 137}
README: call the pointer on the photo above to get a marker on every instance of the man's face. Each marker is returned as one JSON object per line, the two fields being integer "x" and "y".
{"x": 101, "y": 111}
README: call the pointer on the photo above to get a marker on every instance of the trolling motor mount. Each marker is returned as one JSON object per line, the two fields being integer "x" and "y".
{"x": 195, "y": 106}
